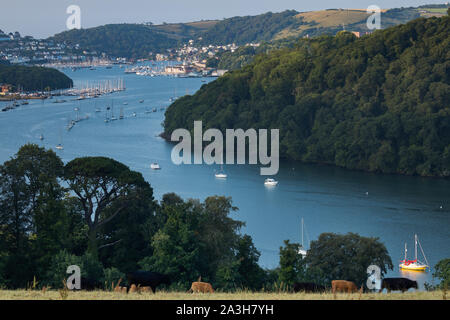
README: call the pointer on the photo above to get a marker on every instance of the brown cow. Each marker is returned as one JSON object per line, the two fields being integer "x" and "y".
{"x": 133, "y": 288}
{"x": 145, "y": 289}
{"x": 120, "y": 289}
{"x": 202, "y": 287}
{"x": 343, "y": 286}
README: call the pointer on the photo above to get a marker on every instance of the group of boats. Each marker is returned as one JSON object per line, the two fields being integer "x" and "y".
{"x": 269, "y": 182}
{"x": 109, "y": 116}
{"x": 14, "y": 105}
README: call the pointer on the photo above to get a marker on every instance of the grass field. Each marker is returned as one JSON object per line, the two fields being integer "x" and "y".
{"x": 162, "y": 295}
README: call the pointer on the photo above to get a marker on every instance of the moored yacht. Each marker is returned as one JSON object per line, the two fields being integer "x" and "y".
{"x": 414, "y": 265}
{"x": 270, "y": 182}
{"x": 155, "y": 166}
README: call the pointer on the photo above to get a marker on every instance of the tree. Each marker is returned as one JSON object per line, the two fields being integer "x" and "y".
{"x": 347, "y": 257}
{"x": 251, "y": 275}
{"x": 197, "y": 239}
{"x": 177, "y": 245}
{"x": 291, "y": 264}
{"x": 30, "y": 205}
{"x": 442, "y": 272}
{"x": 101, "y": 184}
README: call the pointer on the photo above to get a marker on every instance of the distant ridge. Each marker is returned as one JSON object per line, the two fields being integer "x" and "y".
{"x": 140, "y": 40}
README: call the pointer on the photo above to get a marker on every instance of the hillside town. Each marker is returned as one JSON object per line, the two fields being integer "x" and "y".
{"x": 191, "y": 59}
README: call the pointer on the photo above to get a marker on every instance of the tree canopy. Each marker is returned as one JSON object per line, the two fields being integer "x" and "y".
{"x": 347, "y": 257}
{"x": 33, "y": 78}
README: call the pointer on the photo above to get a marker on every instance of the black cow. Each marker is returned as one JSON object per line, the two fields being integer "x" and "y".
{"x": 147, "y": 279}
{"x": 401, "y": 284}
{"x": 90, "y": 284}
{"x": 308, "y": 287}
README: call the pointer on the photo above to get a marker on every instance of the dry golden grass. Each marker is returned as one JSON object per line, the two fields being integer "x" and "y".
{"x": 331, "y": 18}
{"x": 163, "y": 295}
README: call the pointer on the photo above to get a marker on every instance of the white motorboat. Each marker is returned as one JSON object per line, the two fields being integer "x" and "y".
{"x": 270, "y": 182}
{"x": 221, "y": 174}
{"x": 59, "y": 147}
{"x": 155, "y": 166}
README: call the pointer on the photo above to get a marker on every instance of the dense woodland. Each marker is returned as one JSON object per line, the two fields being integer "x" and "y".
{"x": 119, "y": 40}
{"x": 378, "y": 103}
{"x": 33, "y": 78}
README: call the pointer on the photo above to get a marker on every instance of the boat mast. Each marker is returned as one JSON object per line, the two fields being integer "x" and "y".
{"x": 415, "y": 246}
{"x": 302, "y": 233}
{"x": 406, "y": 250}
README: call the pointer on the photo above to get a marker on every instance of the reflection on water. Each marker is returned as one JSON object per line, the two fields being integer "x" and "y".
{"x": 419, "y": 276}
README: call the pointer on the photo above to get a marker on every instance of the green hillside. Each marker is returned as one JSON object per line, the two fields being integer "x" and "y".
{"x": 378, "y": 103}
{"x": 121, "y": 40}
{"x": 138, "y": 40}
{"x": 33, "y": 78}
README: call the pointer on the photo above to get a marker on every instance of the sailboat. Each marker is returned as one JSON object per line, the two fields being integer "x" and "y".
{"x": 414, "y": 265}
{"x": 221, "y": 174}
{"x": 113, "y": 117}
{"x": 302, "y": 250}
{"x": 106, "y": 115}
{"x": 59, "y": 146}
{"x": 121, "y": 114}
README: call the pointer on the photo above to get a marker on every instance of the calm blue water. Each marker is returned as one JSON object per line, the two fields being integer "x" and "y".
{"x": 329, "y": 199}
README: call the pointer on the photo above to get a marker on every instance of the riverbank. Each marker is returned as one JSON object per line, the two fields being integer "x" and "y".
{"x": 21, "y": 97}
{"x": 163, "y": 295}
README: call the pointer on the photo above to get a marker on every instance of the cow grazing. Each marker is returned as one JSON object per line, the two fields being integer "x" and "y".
{"x": 133, "y": 289}
{"x": 147, "y": 279}
{"x": 120, "y": 289}
{"x": 398, "y": 284}
{"x": 202, "y": 287}
{"x": 144, "y": 289}
{"x": 343, "y": 286}
{"x": 308, "y": 287}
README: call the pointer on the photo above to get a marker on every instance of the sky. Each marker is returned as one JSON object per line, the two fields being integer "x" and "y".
{"x": 43, "y": 18}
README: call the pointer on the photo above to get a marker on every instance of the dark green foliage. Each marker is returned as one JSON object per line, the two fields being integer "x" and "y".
{"x": 242, "y": 30}
{"x": 346, "y": 257}
{"x": 442, "y": 272}
{"x": 200, "y": 239}
{"x": 34, "y": 78}
{"x": 119, "y": 40}
{"x": 106, "y": 189}
{"x": 32, "y": 220}
{"x": 292, "y": 268}
{"x": 378, "y": 103}
{"x": 56, "y": 273}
